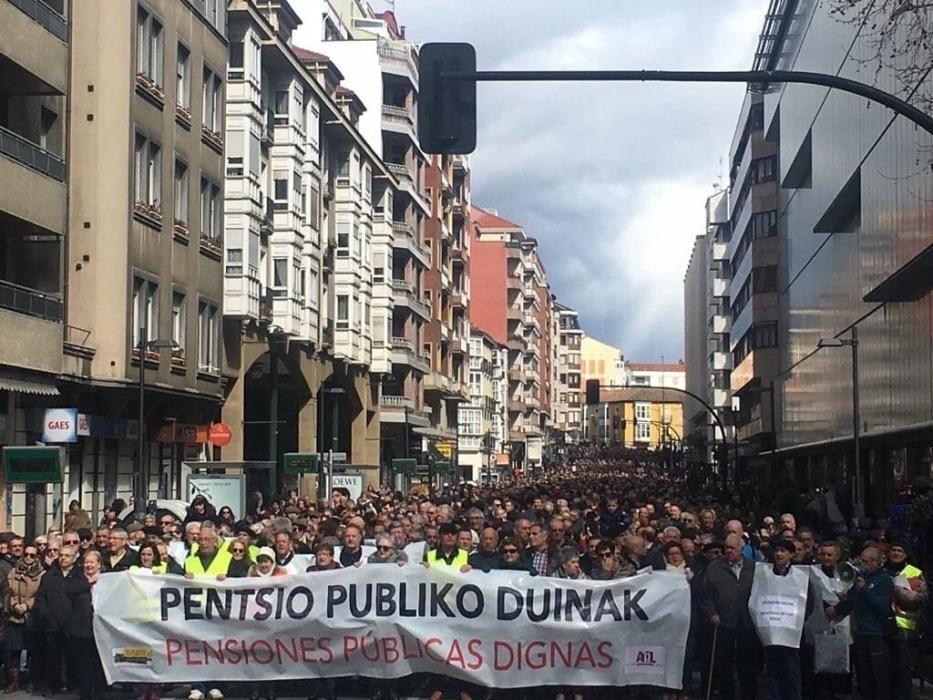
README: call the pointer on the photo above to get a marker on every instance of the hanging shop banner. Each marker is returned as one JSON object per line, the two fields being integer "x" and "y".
{"x": 389, "y": 622}
{"x": 778, "y": 605}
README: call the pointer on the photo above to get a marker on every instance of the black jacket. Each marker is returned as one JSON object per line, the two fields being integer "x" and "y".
{"x": 129, "y": 559}
{"x": 82, "y": 610}
{"x": 54, "y": 598}
{"x": 484, "y": 561}
{"x": 726, "y": 596}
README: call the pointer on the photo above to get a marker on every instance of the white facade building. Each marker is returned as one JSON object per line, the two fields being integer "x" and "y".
{"x": 482, "y": 432}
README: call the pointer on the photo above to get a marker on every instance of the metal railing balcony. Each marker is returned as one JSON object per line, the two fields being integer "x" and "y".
{"x": 31, "y": 155}
{"x": 399, "y": 169}
{"x": 402, "y": 344}
{"x": 30, "y": 302}
{"x": 396, "y": 401}
{"x": 44, "y": 15}
{"x": 394, "y": 112}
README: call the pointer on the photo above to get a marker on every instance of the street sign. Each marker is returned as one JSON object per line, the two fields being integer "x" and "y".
{"x": 220, "y": 434}
{"x": 336, "y": 456}
{"x": 404, "y": 466}
{"x": 442, "y": 467}
{"x": 32, "y": 465}
{"x": 300, "y": 463}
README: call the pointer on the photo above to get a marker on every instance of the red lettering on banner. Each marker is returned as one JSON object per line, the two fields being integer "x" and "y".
{"x": 454, "y": 655}
{"x": 474, "y": 647}
{"x": 350, "y": 645}
{"x": 189, "y": 659}
{"x": 407, "y": 655}
{"x": 604, "y": 649}
{"x": 501, "y": 648}
{"x": 432, "y": 642}
{"x": 390, "y": 651}
{"x": 172, "y": 647}
{"x": 536, "y": 661}
{"x": 584, "y": 653}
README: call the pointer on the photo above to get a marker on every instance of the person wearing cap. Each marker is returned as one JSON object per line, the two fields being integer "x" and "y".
{"x": 301, "y": 540}
{"x": 782, "y": 663}
{"x": 265, "y": 565}
{"x": 727, "y": 583}
{"x": 910, "y": 595}
{"x": 447, "y": 553}
{"x": 137, "y": 533}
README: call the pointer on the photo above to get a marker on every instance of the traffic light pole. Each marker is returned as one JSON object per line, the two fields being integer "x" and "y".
{"x": 759, "y": 77}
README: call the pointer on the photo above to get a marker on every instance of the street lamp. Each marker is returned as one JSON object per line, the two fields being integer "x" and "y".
{"x": 858, "y": 504}
{"x": 141, "y": 490}
{"x": 334, "y": 437}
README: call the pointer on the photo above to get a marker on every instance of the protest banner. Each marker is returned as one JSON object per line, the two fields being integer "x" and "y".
{"x": 778, "y": 605}
{"x": 502, "y": 629}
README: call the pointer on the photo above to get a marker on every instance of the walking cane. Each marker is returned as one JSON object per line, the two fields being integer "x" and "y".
{"x": 712, "y": 663}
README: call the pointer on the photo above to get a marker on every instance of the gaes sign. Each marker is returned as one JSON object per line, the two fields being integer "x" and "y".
{"x": 60, "y": 425}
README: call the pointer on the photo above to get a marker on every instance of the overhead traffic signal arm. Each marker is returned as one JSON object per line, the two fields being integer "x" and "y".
{"x": 448, "y": 77}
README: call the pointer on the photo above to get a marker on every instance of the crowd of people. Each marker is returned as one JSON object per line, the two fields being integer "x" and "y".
{"x": 600, "y": 518}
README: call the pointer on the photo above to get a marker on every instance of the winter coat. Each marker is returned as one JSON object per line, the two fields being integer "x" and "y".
{"x": 77, "y": 519}
{"x": 23, "y": 584}
{"x": 54, "y": 598}
{"x": 82, "y": 610}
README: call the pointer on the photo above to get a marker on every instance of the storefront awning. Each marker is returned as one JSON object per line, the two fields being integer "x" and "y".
{"x": 36, "y": 387}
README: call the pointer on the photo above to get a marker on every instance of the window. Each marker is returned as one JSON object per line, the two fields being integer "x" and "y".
{"x": 236, "y": 140}
{"x": 178, "y": 319}
{"x": 379, "y": 275}
{"x": 280, "y": 190}
{"x": 280, "y": 273}
{"x": 148, "y": 47}
{"x": 764, "y": 335}
{"x": 210, "y": 209}
{"x": 343, "y": 240}
{"x": 148, "y": 167}
{"x": 234, "y": 261}
{"x": 764, "y": 279}
{"x": 183, "y": 78}
{"x": 642, "y": 411}
{"x": 642, "y": 431}
{"x": 281, "y": 107}
{"x": 145, "y": 310}
{"x": 343, "y": 311}
{"x": 181, "y": 193}
{"x": 211, "y": 94}
{"x": 314, "y": 205}
{"x": 208, "y": 338}
{"x": 235, "y": 61}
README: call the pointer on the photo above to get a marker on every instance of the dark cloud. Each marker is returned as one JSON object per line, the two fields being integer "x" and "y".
{"x": 610, "y": 178}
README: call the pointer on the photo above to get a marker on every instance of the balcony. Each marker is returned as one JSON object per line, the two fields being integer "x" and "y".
{"x": 403, "y": 293}
{"x": 399, "y": 120}
{"x": 404, "y": 353}
{"x": 404, "y": 239}
{"x": 459, "y": 344}
{"x": 461, "y": 164}
{"x": 34, "y": 48}
{"x": 51, "y": 20}
{"x": 396, "y": 58}
{"x": 27, "y": 153}
{"x": 760, "y": 365}
{"x": 721, "y": 360}
{"x": 513, "y": 313}
{"x": 719, "y": 324}
{"x": 434, "y": 381}
{"x": 512, "y": 282}
{"x": 400, "y": 170}
{"x": 457, "y": 299}
{"x": 720, "y": 287}
{"x": 515, "y": 342}
{"x": 32, "y": 330}
{"x": 399, "y": 403}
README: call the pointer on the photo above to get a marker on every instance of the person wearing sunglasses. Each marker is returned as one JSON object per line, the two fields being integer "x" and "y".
{"x": 240, "y": 560}
{"x": 49, "y": 555}
{"x": 387, "y": 553}
{"x": 23, "y": 583}
{"x": 511, "y": 558}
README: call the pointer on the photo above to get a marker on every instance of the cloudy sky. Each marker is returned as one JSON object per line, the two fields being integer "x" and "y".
{"x": 610, "y": 178}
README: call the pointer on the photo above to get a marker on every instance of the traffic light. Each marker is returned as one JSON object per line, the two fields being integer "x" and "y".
{"x": 446, "y": 108}
{"x": 592, "y": 392}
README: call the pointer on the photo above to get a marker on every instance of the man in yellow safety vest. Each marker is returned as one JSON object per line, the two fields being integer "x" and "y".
{"x": 910, "y": 594}
{"x": 207, "y": 561}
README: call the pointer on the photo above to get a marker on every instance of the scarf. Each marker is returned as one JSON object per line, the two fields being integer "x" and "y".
{"x": 32, "y": 570}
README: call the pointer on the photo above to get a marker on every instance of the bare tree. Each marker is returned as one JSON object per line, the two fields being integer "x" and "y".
{"x": 899, "y": 37}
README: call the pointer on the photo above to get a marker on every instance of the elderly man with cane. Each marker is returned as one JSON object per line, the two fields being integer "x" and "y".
{"x": 727, "y": 583}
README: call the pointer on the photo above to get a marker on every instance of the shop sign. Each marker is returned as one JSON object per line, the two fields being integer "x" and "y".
{"x": 60, "y": 425}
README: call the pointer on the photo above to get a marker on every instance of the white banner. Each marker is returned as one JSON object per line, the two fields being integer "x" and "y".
{"x": 502, "y": 629}
{"x": 778, "y": 605}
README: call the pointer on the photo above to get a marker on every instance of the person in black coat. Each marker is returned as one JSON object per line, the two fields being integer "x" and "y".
{"x": 54, "y": 608}
{"x": 83, "y": 654}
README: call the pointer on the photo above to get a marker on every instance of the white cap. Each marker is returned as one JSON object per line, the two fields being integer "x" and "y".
{"x": 265, "y": 552}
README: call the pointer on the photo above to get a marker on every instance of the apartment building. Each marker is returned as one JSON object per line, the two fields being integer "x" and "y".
{"x": 144, "y": 269}
{"x": 566, "y": 379}
{"x": 696, "y": 360}
{"x": 753, "y": 264}
{"x": 659, "y": 374}
{"x": 446, "y": 337}
{"x": 718, "y": 315}
{"x": 482, "y": 433}
{"x": 854, "y": 228}
{"x": 34, "y": 160}
{"x": 635, "y": 417}
{"x": 601, "y": 361}
{"x": 381, "y": 68}
{"x": 511, "y": 303}
{"x": 304, "y": 195}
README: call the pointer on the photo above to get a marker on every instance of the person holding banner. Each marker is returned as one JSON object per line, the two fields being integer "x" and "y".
{"x": 778, "y": 607}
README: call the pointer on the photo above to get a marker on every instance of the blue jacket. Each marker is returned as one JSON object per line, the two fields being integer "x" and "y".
{"x": 870, "y": 605}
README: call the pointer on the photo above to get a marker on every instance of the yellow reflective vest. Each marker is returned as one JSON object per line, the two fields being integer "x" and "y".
{"x": 219, "y": 564}
{"x": 908, "y": 619}
{"x": 435, "y": 558}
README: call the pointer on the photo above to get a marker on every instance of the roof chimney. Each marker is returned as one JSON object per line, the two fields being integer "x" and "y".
{"x": 401, "y": 31}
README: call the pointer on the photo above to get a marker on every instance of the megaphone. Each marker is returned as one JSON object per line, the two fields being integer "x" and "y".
{"x": 847, "y": 572}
